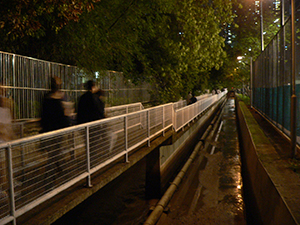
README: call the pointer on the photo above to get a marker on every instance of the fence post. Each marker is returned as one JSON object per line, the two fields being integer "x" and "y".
{"x": 293, "y": 94}
{"x": 173, "y": 118}
{"x": 88, "y": 158}
{"x": 126, "y": 138}
{"x": 148, "y": 125}
{"x": 163, "y": 120}
{"x": 11, "y": 185}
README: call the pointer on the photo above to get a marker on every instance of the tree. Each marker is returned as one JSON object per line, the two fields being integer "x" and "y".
{"x": 24, "y": 21}
{"x": 172, "y": 44}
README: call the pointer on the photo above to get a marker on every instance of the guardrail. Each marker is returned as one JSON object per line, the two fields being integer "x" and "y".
{"x": 184, "y": 115}
{"x": 36, "y": 168}
{"x": 32, "y": 127}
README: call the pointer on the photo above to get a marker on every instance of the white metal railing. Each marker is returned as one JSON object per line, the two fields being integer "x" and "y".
{"x": 32, "y": 127}
{"x": 184, "y": 115}
{"x": 183, "y": 103}
{"x": 36, "y": 168}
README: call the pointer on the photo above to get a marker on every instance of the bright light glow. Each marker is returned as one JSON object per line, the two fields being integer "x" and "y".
{"x": 275, "y": 21}
{"x": 240, "y": 57}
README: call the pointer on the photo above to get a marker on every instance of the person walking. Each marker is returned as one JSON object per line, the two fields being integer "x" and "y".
{"x": 88, "y": 105}
{"x": 193, "y": 99}
{"x": 53, "y": 118}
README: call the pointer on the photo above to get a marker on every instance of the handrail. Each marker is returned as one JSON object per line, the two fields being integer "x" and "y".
{"x": 110, "y": 111}
{"x": 36, "y": 163}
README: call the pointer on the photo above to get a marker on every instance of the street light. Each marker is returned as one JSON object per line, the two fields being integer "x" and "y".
{"x": 251, "y": 81}
{"x": 261, "y": 26}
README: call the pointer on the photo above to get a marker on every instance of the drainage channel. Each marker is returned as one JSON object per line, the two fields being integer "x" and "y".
{"x": 208, "y": 189}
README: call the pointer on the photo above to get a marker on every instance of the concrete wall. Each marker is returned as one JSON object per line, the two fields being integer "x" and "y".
{"x": 272, "y": 186}
{"x": 173, "y": 156}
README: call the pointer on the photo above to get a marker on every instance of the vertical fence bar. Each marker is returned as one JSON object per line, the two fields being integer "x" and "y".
{"x": 293, "y": 94}
{"x": 148, "y": 126}
{"x": 11, "y": 184}
{"x": 126, "y": 137}
{"x": 163, "y": 120}
{"x": 88, "y": 158}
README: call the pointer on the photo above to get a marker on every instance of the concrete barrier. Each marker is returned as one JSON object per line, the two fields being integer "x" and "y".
{"x": 273, "y": 187}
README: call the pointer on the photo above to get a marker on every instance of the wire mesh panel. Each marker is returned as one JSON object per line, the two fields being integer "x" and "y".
{"x": 99, "y": 143}
{"x": 123, "y": 109}
{"x": 272, "y": 79}
{"x": 24, "y": 81}
{"x": 186, "y": 114}
{"x": 137, "y": 128}
{"x": 168, "y": 115}
{"x": 156, "y": 120}
{"x": 4, "y": 185}
{"x": 116, "y": 134}
{"x": 42, "y": 165}
{"x": 179, "y": 104}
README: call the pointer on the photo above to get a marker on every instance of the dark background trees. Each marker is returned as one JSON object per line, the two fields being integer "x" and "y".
{"x": 174, "y": 45}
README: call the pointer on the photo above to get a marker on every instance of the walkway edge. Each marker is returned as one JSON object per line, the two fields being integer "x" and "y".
{"x": 274, "y": 187}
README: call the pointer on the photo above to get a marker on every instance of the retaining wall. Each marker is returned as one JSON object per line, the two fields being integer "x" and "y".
{"x": 273, "y": 187}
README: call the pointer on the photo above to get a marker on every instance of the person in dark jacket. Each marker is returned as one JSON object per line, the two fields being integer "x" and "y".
{"x": 53, "y": 118}
{"x": 88, "y": 108}
{"x": 193, "y": 99}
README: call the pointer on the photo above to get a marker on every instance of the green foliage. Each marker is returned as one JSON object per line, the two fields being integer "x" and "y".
{"x": 244, "y": 98}
{"x": 171, "y": 44}
{"x": 26, "y": 24}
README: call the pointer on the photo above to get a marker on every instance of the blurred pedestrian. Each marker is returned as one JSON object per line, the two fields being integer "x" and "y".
{"x": 100, "y": 94}
{"x": 6, "y": 134}
{"x": 188, "y": 98}
{"x": 88, "y": 105}
{"x": 53, "y": 118}
{"x": 193, "y": 99}
{"x": 6, "y": 131}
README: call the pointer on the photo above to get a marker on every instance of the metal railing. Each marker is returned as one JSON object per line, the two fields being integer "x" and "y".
{"x": 34, "y": 169}
{"x": 184, "y": 115}
{"x": 32, "y": 127}
{"x": 183, "y": 103}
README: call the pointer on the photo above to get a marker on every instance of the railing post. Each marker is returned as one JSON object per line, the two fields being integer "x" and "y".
{"x": 88, "y": 158}
{"x": 126, "y": 137}
{"x": 148, "y": 126}
{"x": 173, "y": 118}
{"x": 182, "y": 118}
{"x": 11, "y": 185}
{"x": 163, "y": 120}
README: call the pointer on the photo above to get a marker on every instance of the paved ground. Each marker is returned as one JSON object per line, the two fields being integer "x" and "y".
{"x": 211, "y": 193}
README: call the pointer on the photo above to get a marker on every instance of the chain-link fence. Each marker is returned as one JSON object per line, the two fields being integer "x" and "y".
{"x": 272, "y": 76}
